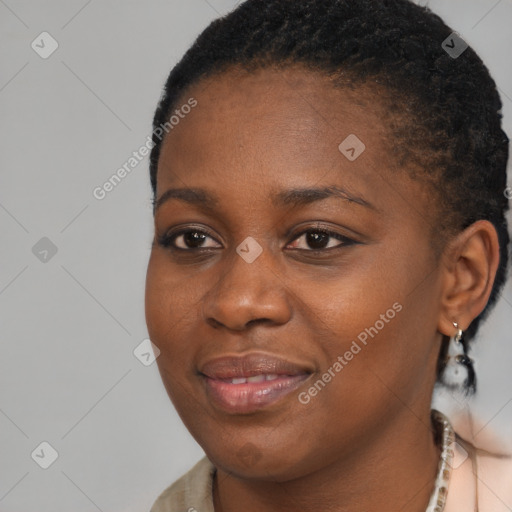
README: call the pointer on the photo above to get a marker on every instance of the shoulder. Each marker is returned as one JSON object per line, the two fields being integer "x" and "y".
{"x": 480, "y": 476}
{"x": 495, "y": 481}
{"x": 484, "y": 466}
{"x": 190, "y": 493}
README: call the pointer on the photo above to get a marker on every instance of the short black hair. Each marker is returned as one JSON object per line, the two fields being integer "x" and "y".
{"x": 447, "y": 108}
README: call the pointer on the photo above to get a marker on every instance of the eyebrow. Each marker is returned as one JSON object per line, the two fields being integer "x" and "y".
{"x": 193, "y": 196}
{"x": 303, "y": 196}
{"x": 293, "y": 197}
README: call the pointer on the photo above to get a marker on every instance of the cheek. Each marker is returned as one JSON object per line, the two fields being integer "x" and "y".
{"x": 169, "y": 315}
{"x": 171, "y": 306}
{"x": 380, "y": 318}
{"x": 169, "y": 295}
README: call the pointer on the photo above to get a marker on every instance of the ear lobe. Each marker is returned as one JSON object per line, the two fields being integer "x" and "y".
{"x": 471, "y": 261}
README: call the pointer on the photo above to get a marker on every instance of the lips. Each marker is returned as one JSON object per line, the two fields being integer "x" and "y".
{"x": 246, "y": 384}
{"x": 250, "y": 365}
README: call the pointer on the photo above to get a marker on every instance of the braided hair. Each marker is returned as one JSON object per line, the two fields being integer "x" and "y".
{"x": 445, "y": 122}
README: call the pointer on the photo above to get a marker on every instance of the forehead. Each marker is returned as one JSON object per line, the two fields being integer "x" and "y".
{"x": 269, "y": 121}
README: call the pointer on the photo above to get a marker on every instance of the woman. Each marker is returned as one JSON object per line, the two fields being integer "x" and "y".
{"x": 328, "y": 180}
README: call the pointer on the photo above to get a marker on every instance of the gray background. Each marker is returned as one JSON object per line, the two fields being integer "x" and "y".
{"x": 69, "y": 325}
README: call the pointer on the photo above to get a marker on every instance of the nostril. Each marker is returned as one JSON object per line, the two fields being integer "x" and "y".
{"x": 258, "y": 321}
{"x": 214, "y": 323}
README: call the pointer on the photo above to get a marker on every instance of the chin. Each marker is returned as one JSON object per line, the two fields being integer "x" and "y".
{"x": 255, "y": 462}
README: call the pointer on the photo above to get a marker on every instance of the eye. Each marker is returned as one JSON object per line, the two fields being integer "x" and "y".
{"x": 320, "y": 239}
{"x": 186, "y": 239}
{"x": 317, "y": 239}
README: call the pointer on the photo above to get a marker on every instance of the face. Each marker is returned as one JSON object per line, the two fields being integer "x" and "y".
{"x": 293, "y": 295}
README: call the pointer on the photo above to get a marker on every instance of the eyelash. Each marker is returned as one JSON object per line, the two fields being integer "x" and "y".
{"x": 168, "y": 239}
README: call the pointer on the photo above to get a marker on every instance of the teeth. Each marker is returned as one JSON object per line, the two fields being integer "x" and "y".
{"x": 255, "y": 378}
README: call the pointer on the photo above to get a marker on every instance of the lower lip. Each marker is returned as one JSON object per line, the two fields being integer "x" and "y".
{"x": 251, "y": 396}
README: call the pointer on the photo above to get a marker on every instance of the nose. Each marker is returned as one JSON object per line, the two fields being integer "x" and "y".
{"x": 247, "y": 293}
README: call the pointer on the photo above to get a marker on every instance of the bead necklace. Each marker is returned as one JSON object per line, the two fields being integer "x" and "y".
{"x": 444, "y": 429}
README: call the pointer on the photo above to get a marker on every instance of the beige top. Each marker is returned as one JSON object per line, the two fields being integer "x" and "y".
{"x": 193, "y": 491}
{"x": 190, "y": 493}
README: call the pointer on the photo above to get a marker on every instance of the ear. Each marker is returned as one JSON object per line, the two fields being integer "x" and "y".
{"x": 470, "y": 262}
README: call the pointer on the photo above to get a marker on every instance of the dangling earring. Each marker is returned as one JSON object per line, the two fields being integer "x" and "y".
{"x": 458, "y": 371}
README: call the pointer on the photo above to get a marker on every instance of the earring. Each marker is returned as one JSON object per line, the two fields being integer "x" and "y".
{"x": 458, "y": 371}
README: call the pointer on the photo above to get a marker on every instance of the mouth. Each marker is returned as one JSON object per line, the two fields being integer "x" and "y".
{"x": 243, "y": 385}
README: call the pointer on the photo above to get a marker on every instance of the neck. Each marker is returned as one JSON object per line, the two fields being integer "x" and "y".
{"x": 394, "y": 471}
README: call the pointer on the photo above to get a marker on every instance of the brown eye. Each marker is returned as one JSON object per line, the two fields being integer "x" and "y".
{"x": 186, "y": 239}
{"x": 319, "y": 240}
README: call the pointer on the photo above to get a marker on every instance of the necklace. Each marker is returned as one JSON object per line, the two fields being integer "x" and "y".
{"x": 445, "y": 431}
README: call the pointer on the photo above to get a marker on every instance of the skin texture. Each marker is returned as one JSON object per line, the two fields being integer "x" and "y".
{"x": 364, "y": 442}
